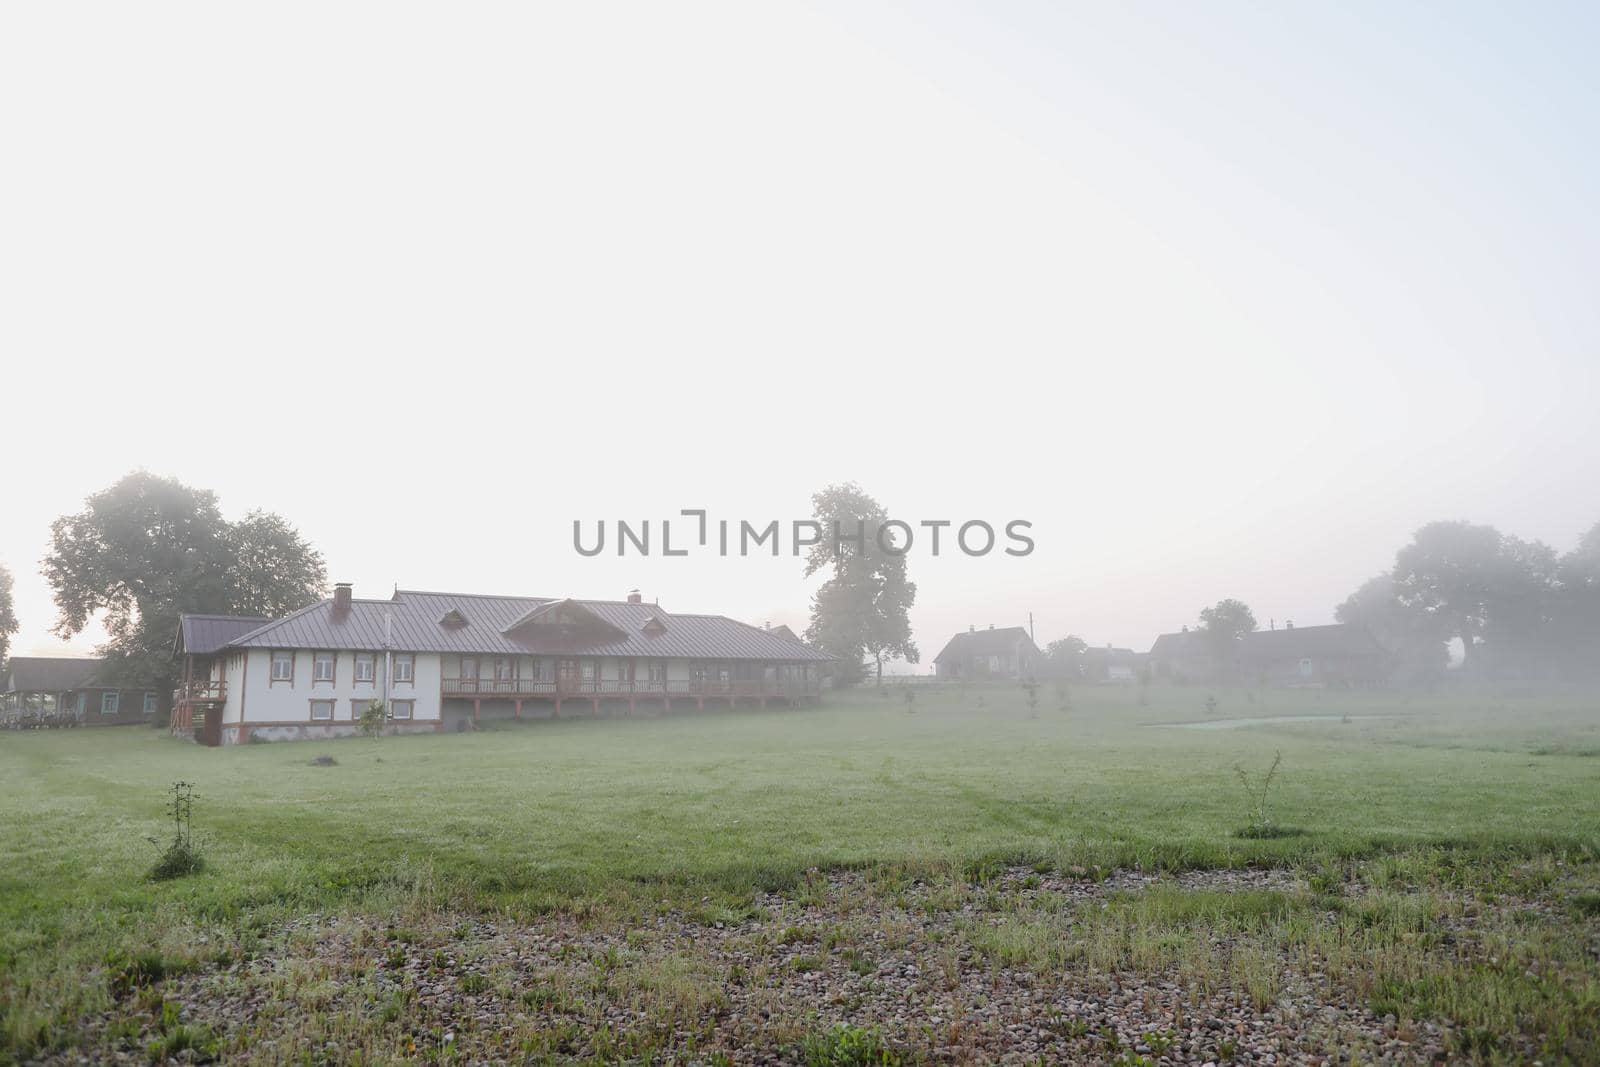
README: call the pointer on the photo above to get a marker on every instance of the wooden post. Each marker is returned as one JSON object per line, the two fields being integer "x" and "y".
{"x": 475, "y": 707}
{"x": 518, "y": 713}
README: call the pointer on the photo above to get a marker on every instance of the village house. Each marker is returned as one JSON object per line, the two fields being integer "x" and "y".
{"x": 1182, "y": 657}
{"x": 63, "y": 691}
{"x": 1313, "y": 657}
{"x": 437, "y": 661}
{"x": 1337, "y": 655}
{"x": 1007, "y": 653}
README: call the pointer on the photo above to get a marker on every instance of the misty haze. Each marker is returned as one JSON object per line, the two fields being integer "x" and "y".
{"x": 820, "y": 534}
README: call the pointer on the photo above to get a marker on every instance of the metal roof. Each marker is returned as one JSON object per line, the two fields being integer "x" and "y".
{"x": 201, "y": 635}
{"x": 1337, "y": 640}
{"x": 499, "y": 625}
{"x": 49, "y": 674}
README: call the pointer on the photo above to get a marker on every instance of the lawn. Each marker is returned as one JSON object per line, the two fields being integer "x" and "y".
{"x": 1436, "y": 803}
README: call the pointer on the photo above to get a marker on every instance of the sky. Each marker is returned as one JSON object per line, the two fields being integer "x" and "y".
{"x": 1225, "y": 299}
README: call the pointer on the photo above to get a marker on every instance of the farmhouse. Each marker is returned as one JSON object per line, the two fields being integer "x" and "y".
{"x": 60, "y": 691}
{"x": 444, "y": 660}
{"x": 1313, "y": 656}
{"x": 1006, "y": 653}
{"x": 1182, "y": 657}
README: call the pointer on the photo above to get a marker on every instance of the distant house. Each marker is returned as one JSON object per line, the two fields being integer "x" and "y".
{"x": 1338, "y": 655}
{"x": 1006, "y": 653}
{"x": 1182, "y": 657}
{"x": 62, "y": 691}
{"x": 1110, "y": 664}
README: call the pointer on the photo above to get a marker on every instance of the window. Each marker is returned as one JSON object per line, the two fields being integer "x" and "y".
{"x": 109, "y": 703}
{"x": 469, "y": 667}
{"x": 658, "y": 672}
{"x": 366, "y": 667}
{"x": 283, "y": 667}
{"x": 149, "y": 703}
{"x": 402, "y": 666}
{"x": 1305, "y": 668}
{"x": 322, "y": 665}
{"x": 401, "y": 709}
{"x": 625, "y": 671}
{"x": 321, "y": 710}
{"x": 505, "y": 669}
{"x": 589, "y": 670}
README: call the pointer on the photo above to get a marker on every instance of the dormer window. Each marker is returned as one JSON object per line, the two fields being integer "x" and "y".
{"x": 653, "y": 626}
{"x": 453, "y": 619}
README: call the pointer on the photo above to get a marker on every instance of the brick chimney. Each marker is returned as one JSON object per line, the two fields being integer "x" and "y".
{"x": 341, "y": 599}
{"x": 634, "y": 597}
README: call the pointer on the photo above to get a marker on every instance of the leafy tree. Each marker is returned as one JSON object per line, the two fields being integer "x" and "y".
{"x": 862, "y": 611}
{"x": 1224, "y": 625}
{"x": 1520, "y": 632}
{"x": 1494, "y": 593}
{"x": 147, "y": 549}
{"x": 272, "y": 569}
{"x": 1066, "y": 656}
{"x": 1445, "y": 574}
{"x": 8, "y": 616}
{"x": 1578, "y": 606}
{"x": 1416, "y": 642}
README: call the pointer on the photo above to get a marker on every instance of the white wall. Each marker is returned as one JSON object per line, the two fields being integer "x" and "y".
{"x": 253, "y": 697}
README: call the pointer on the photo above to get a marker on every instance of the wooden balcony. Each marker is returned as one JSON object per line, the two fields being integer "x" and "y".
{"x": 200, "y": 691}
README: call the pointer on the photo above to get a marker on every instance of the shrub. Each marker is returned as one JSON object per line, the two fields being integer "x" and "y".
{"x": 1257, "y": 791}
{"x": 182, "y": 856}
{"x": 373, "y": 716}
{"x": 848, "y": 1046}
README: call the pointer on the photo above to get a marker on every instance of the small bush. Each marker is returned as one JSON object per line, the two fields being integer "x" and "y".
{"x": 180, "y": 860}
{"x": 1257, "y": 791}
{"x": 182, "y": 856}
{"x": 1585, "y": 905}
{"x": 848, "y": 1046}
{"x": 324, "y": 761}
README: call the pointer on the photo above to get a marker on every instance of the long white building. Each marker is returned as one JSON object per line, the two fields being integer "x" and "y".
{"x": 437, "y": 661}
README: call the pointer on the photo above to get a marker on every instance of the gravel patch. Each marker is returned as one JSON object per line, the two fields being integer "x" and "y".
{"x": 905, "y": 959}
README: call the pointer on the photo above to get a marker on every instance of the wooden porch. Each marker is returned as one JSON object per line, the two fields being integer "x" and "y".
{"x": 593, "y": 691}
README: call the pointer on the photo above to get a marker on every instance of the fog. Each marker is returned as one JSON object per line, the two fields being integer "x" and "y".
{"x": 1224, "y": 308}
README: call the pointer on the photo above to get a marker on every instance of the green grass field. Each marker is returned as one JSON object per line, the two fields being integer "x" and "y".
{"x": 1419, "y": 801}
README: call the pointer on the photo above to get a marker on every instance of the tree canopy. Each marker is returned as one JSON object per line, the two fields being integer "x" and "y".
{"x": 1066, "y": 655}
{"x": 147, "y": 549}
{"x": 862, "y": 611}
{"x": 1224, "y": 625}
{"x": 8, "y": 615}
{"x": 1518, "y": 608}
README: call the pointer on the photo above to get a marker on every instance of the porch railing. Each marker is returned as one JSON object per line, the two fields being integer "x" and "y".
{"x": 610, "y": 687}
{"x": 200, "y": 691}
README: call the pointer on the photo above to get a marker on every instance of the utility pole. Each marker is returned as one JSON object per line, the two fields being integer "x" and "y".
{"x": 1030, "y": 627}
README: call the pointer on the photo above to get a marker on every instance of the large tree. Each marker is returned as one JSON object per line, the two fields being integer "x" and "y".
{"x": 8, "y": 615}
{"x": 1224, "y": 625}
{"x": 862, "y": 611}
{"x": 1066, "y": 656}
{"x": 1577, "y": 610}
{"x": 1415, "y": 642}
{"x": 147, "y": 549}
{"x": 272, "y": 570}
{"x": 1494, "y": 593}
